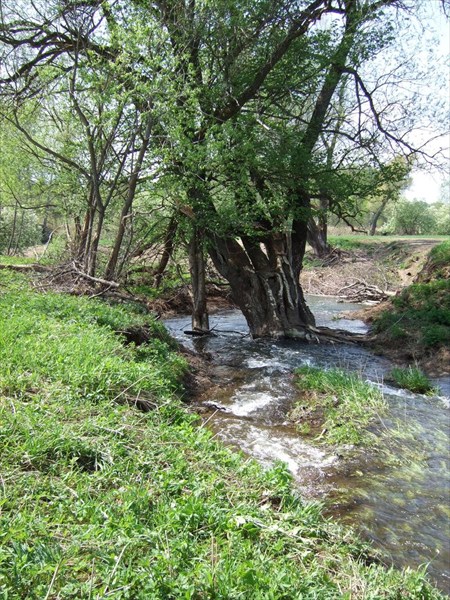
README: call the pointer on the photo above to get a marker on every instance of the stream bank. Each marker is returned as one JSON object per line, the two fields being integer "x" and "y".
{"x": 395, "y": 495}
{"x": 101, "y": 499}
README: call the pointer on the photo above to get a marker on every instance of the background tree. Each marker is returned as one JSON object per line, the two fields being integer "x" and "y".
{"x": 413, "y": 218}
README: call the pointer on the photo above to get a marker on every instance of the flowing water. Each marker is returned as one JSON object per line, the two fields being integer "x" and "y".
{"x": 396, "y": 496}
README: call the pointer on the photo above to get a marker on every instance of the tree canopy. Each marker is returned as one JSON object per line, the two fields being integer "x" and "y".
{"x": 237, "y": 120}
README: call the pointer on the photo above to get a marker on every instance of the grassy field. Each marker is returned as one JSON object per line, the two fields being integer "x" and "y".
{"x": 101, "y": 500}
{"x": 354, "y": 239}
{"x": 372, "y": 244}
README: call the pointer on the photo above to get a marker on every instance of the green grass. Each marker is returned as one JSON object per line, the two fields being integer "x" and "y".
{"x": 413, "y": 379}
{"x": 420, "y": 314}
{"x": 382, "y": 239}
{"x": 440, "y": 255}
{"x": 357, "y": 242}
{"x": 339, "y": 405}
{"x": 397, "y": 247}
{"x": 16, "y": 260}
{"x": 99, "y": 500}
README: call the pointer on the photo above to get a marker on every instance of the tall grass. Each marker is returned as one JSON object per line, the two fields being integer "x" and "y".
{"x": 413, "y": 379}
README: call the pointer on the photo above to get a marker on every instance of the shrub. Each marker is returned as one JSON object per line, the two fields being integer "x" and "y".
{"x": 436, "y": 335}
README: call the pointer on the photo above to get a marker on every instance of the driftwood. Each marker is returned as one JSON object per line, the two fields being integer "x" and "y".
{"x": 360, "y": 291}
{"x": 325, "y": 334}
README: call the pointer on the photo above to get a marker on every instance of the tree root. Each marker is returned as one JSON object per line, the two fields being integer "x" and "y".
{"x": 326, "y": 335}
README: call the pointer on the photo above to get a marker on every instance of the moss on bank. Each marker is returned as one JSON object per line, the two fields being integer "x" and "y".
{"x": 101, "y": 500}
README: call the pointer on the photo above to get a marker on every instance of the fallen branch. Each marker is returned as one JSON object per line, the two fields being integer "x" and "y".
{"x": 109, "y": 284}
{"x": 34, "y": 267}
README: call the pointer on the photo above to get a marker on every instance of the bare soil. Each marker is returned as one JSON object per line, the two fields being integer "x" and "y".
{"x": 389, "y": 267}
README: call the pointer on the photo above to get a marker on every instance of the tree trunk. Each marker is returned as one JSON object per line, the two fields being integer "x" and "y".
{"x": 377, "y": 215}
{"x": 91, "y": 258}
{"x": 200, "y": 319}
{"x": 83, "y": 234}
{"x": 130, "y": 195}
{"x": 13, "y": 231}
{"x": 264, "y": 281}
{"x": 167, "y": 252}
{"x": 317, "y": 239}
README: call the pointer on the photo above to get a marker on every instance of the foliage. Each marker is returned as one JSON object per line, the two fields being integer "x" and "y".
{"x": 412, "y": 218}
{"x": 344, "y": 404}
{"x": 100, "y": 500}
{"x": 202, "y": 66}
{"x": 413, "y": 379}
{"x": 380, "y": 190}
{"x": 441, "y": 214}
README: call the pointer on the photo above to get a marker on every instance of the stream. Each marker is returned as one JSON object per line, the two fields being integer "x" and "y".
{"x": 396, "y": 496}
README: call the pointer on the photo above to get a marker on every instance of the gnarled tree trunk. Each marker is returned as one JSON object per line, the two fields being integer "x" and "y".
{"x": 264, "y": 281}
{"x": 317, "y": 239}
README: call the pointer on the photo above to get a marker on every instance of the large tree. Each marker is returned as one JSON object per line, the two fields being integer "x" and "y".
{"x": 238, "y": 101}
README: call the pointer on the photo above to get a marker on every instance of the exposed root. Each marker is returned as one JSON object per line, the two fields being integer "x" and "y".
{"x": 321, "y": 335}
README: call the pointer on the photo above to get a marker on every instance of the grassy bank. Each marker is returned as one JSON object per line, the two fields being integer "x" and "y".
{"x": 101, "y": 500}
{"x": 417, "y": 320}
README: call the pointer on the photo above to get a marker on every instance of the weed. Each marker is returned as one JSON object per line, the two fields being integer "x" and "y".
{"x": 413, "y": 379}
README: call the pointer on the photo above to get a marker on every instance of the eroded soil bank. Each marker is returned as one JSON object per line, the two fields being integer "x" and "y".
{"x": 388, "y": 265}
{"x": 411, "y": 324}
